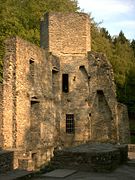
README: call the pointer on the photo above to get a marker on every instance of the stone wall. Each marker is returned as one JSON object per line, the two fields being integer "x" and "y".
{"x": 123, "y": 124}
{"x": 91, "y": 99}
{"x": 1, "y": 139}
{"x": 30, "y": 116}
{"x": 131, "y": 148}
{"x": 102, "y": 99}
{"x": 91, "y": 157}
{"x": 66, "y": 33}
{"x": 75, "y": 101}
{"x": 9, "y": 113}
{"x": 35, "y": 103}
{"x": 6, "y": 161}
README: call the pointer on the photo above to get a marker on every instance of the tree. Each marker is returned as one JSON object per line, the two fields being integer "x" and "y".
{"x": 101, "y": 41}
{"x": 105, "y": 34}
{"x": 121, "y": 38}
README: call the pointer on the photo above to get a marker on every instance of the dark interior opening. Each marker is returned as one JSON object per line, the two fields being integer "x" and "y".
{"x": 89, "y": 114}
{"x": 31, "y": 64}
{"x": 65, "y": 85}
{"x": 84, "y": 72}
{"x": 34, "y": 100}
{"x": 100, "y": 92}
{"x": 81, "y": 67}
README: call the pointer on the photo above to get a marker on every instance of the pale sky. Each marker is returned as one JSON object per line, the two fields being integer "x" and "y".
{"x": 116, "y": 15}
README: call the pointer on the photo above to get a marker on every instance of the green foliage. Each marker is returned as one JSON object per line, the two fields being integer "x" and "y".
{"x": 122, "y": 60}
{"x": 124, "y": 68}
{"x": 22, "y": 18}
{"x": 133, "y": 46}
{"x": 101, "y": 40}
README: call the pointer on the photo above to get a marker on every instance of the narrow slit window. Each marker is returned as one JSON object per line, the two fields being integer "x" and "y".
{"x": 70, "y": 124}
{"x": 31, "y": 64}
{"x": 34, "y": 113}
{"x": 100, "y": 95}
{"x": 55, "y": 79}
{"x": 65, "y": 84}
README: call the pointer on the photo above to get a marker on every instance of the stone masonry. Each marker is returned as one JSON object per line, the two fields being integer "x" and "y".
{"x": 59, "y": 95}
{"x": 98, "y": 157}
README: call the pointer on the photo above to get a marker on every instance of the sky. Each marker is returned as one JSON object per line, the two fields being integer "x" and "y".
{"x": 115, "y": 15}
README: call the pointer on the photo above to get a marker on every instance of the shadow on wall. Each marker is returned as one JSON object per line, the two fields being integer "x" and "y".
{"x": 6, "y": 161}
{"x": 102, "y": 119}
{"x": 41, "y": 136}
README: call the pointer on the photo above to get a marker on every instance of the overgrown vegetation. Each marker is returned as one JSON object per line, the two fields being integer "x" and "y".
{"x": 22, "y": 18}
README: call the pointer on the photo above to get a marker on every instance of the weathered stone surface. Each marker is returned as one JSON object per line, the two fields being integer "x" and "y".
{"x": 1, "y": 110}
{"x": 66, "y": 33}
{"x": 124, "y": 135}
{"x": 59, "y": 173}
{"x": 131, "y": 148}
{"x": 97, "y": 157}
{"x": 16, "y": 174}
{"x": 35, "y": 106}
{"x": 6, "y": 161}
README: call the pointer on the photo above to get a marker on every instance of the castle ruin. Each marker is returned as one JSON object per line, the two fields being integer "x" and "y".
{"x": 59, "y": 95}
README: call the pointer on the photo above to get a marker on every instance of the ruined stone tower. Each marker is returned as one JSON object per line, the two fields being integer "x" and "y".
{"x": 61, "y": 94}
{"x": 66, "y": 33}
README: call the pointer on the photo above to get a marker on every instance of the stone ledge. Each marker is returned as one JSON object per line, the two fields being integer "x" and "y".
{"x": 131, "y": 163}
{"x": 6, "y": 161}
{"x": 16, "y": 174}
{"x": 91, "y": 157}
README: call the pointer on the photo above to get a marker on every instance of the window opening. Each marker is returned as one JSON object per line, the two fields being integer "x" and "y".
{"x": 70, "y": 124}
{"x": 34, "y": 114}
{"x": 65, "y": 84}
{"x": 100, "y": 92}
{"x": 33, "y": 102}
{"x": 84, "y": 71}
{"x": 101, "y": 97}
{"x": 31, "y": 63}
{"x": 55, "y": 81}
{"x": 89, "y": 114}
